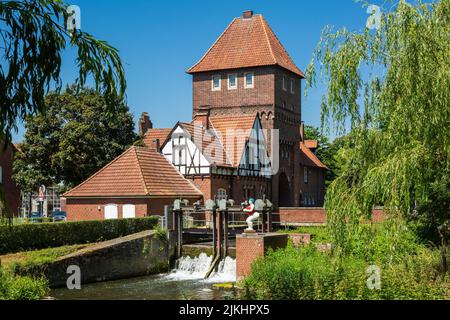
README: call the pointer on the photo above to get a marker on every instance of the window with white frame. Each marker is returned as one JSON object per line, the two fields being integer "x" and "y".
{"x": 305, "y": 175}
{"x": 249, "y": 80}
{"x": 216, "y": 82}
{"x": 284, "y": 83}
{"x": 232, "y": 81}
{"x": 292, "y": 85}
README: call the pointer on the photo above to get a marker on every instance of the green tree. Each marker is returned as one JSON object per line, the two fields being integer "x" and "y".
{"x": 392, "y": 85}
{"x": 332, "y": 154}
{"x": 33, "y": 38}
{"x": 72, "y": 140}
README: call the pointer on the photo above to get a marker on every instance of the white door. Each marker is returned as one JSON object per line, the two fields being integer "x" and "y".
{"x": 129, "y": 211}
{"x": 111, "y": 212}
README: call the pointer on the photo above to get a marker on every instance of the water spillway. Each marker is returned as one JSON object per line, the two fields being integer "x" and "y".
{"x": 188, "y": 268}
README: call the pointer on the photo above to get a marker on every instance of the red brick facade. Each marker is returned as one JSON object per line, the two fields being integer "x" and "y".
{"x": 312, "y": 216}
{"x": 94, "y": 209}
{"x": 251, "y": 247}
{"x": 7, "y": 185}
{"x": 239, "y": 189}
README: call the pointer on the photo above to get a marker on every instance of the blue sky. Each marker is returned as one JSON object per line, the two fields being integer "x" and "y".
{"x": 160, "y": 40}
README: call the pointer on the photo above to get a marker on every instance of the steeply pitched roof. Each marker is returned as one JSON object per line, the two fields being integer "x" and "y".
{"x": 247, "y": 42}
{"x": 233, "y": 132}
{"x": 153, "y": 134}
{"x": 137, "y": 172}
{"x": 308, "y": 158}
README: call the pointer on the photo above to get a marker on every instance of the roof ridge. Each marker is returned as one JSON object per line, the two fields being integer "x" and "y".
{"x": 267, "y": 38}
{"x": 100, "y": 171}
{"x": 213, "y": 45}
{"x": 140, "y": 169}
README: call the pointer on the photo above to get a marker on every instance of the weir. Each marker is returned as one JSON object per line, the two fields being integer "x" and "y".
{"x": 221, "y": 223}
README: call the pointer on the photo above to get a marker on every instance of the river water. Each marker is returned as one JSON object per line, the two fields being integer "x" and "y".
{"x": 186, "y": 282}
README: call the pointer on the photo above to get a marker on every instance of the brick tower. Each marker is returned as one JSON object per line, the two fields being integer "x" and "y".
{"x": 248, "y": 71}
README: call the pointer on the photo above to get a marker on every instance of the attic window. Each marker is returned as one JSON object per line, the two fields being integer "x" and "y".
{"x": 249, "y": 80}
{"x": 284, "y": 83}
{"x": 292, "y": 85}
{"x": 216, "y": 82}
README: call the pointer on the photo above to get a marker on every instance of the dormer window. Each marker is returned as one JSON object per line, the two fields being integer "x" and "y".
{"x": 284, "y": 83}
{"x": 292, "y": 85}
{"x": 232, "y": 82}
{"x": 249, "y": 80}
{"x": 216, "y": 82}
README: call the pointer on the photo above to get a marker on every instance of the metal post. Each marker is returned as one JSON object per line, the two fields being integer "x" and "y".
{"x": 180, "y": 233}
{"x": 225, "y": 233}
{"x": 214, "y": 221}
{"x": 220, "y": 236}
{"x": 264, "y": 221}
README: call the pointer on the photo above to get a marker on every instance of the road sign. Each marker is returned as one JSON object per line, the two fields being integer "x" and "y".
{"x": 42, "y": 193}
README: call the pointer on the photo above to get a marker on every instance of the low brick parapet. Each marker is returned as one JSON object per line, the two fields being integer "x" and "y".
{"x": 250, "y": 247}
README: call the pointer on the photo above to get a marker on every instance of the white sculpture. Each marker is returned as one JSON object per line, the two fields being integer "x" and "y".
{"x": 252, "y": 215}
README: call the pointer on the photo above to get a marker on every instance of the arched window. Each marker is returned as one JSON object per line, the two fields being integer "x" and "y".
{"x": 129, "y": 211}
{"x": 222, "y": 194}
{"x": 111, "y": 212}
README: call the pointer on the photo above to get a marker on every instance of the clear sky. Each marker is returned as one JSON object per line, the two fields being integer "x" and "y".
{"x": 160, "y": 40}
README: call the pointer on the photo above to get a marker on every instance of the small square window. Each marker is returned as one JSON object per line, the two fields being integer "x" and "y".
{"x": 232, "y": 82}
{"x": 249, "y": 80}
{"x": 292, "y": 85}
{"x": 284, "y": 83}
{"x": 216, "y": 82}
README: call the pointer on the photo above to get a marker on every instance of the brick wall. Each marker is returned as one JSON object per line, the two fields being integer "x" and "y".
{"x": 94, "y": 209}
{"x": 251, "y": 247}
{"x": 10, "y": 189}
{"x": 311, "y": 216}
{"x": 263, "y": 92}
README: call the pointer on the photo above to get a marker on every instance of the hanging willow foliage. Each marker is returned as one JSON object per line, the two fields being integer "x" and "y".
{"x": 33, "y": 38}
{"x": 392, "y": 85}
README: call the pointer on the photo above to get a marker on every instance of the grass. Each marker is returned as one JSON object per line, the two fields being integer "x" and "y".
{"x": 30, "y": 259}
{"x": 319, "y": 234}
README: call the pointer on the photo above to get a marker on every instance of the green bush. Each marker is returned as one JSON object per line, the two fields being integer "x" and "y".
{"x": 50, "y": 235}
{"x": 306, "y": 274}
{"x": 21, "y": 288}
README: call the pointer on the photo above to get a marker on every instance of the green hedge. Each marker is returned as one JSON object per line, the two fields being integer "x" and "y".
{"x": 49, "y": 235}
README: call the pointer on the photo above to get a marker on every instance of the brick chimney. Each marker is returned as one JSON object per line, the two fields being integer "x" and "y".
{"x": 144, "y": 124}
{"x": 247, "y": 14}
{"x": 202, "y": 116}
{"x": 156, "y": 145}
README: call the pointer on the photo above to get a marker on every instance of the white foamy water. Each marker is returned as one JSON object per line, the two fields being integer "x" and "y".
{"x": 196, "y": 268}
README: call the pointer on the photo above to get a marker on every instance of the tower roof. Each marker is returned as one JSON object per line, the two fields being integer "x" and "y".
{"x": 247, "y": 42}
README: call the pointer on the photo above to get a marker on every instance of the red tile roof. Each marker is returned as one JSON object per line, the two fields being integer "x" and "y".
{"x": 308, "y": 158}
{"x": 233, "y": 132}
{"x": 153, "y": 134}
{"x": 246, "y": 43}
{"x": 312, "y": 144}
{"x": 137, "y": 172}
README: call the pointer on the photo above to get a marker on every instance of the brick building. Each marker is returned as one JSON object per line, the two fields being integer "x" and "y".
{"x": 138, "y": 183}
{"x": 248, "y": 72}
{"x": 9, "y": 204}
{"x": 245, "y": 138}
